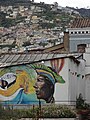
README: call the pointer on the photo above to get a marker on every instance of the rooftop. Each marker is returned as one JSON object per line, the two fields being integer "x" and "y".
{"x": 80, "y": 23}
{"x": 25, "y": 58}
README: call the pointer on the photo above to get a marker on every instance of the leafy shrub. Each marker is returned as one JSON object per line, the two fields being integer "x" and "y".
{"x": 81, "y": 104}
{"x": 57, "y": 111}
{"x": 47, "y": 111}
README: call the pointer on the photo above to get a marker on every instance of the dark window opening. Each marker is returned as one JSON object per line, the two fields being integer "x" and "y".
{"x": 79, "y": 32}
{"x": 81, "y": 48}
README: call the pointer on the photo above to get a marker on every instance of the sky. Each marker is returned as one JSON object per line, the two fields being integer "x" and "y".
{"x": 70, "y": 3}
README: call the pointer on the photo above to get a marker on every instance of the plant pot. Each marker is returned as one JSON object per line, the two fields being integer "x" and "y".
{"x": 83, "y": 112}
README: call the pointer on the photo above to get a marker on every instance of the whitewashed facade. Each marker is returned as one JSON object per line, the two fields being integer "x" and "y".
{"x": 87, "y": 73}
{"x": 73, "y": 73}
{"x": 78, "y": 36}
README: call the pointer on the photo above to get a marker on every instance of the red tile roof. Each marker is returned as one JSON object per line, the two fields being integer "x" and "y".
{"x": 80, "y": 23}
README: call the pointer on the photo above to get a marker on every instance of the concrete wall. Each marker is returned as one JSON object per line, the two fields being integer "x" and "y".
{"x": 68, "y": 80}
{"x": 86, "y": 56}
{"x": 76, "y": 79}
{"x": 74, "y": 76}
{"x": 78, "y": 36}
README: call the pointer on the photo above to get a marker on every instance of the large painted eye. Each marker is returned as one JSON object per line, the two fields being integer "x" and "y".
{"x": 7, "y": 80}
{"x": 3, "y": 84}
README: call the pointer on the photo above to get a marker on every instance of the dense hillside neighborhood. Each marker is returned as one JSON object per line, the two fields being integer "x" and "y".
{"x": 44, "y": 55}
{"x": 27, "y": 25}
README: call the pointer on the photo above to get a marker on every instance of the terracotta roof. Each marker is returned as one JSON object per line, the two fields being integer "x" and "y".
{"x": 55, "y": 48}
{"x": 80, "y": 23}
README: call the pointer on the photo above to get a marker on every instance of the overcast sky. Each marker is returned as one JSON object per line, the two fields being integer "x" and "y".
{"x": 70, "y": 3}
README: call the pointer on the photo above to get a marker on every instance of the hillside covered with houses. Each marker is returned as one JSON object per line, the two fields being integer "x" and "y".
{"x": 44, "y": 43}
{"x": 26, "y": 25}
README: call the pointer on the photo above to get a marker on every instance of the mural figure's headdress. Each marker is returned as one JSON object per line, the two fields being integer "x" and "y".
{"x": 48, "y": 72}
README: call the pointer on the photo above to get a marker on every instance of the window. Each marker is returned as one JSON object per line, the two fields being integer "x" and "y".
{"x": 75, "y": 32}
{"x": 79, "y": 32}
{"x": 81, "y": 48}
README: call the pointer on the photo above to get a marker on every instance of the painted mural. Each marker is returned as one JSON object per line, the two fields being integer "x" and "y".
{"x": 26, "y": 84}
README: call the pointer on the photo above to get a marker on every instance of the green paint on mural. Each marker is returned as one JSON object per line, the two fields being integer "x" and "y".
{"x": 26, "y": 84}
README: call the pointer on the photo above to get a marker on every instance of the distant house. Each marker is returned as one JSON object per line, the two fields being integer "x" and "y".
{"x": 79, "y": 34}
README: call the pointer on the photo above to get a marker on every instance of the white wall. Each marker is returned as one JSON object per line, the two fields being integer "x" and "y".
{"x": 86, "y": 56}
{"x": 87, "y": 88}
{"x": 81, "y": 79}
{"x": 76, "y": 80}
{"x": 61, "y": 90}
{"x": 73, "y": 88}
{"x": 68, "y": 92}
{"x": 77, "y": 38}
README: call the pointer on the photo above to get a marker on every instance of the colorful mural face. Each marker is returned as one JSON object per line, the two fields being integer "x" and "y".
{"x": 44, "y": 86}
{"x": 25, "y": 84}
{"x": 44, "y": 89}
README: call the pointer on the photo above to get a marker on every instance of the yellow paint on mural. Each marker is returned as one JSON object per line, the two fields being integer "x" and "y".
{"x": 23, "y": 81}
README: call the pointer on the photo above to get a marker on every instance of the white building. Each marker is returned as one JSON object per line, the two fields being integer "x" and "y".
{"x": 79, "y": 34}
{"x": 66, "y": 65}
